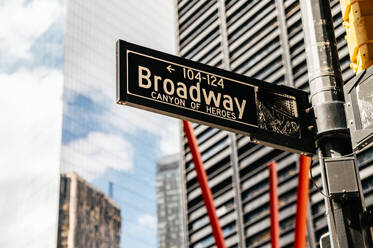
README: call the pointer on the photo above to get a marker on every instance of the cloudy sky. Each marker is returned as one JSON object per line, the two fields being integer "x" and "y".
{"x": 39, "y": 108}
{"x": 31, "y": 116}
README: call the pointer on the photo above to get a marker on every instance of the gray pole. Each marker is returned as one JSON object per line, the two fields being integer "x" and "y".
{"x": 232, "y": 136}
{"x": 284, "y": 41}
{"x": 341, "y": 181}
{"x": 310, "y": 229}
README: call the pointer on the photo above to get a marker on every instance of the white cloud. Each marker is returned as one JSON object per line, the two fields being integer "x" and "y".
{"x": 170, "y": 138}
{"x": 21, "y": 23}
{"x": 148, "y": 221}
{"x": 81, "y": 70}
{"x": 96, "y": 153}
{"x": 30, "y": 128}
{"x": 30, "y": 131}
{"x": 133, "y": 120}
{"x": 31, "y": 113}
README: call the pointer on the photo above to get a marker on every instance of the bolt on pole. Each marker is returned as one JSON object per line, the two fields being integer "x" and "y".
{"x": 341, "y": 183}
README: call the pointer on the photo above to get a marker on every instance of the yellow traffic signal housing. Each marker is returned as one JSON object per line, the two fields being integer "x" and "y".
{"x": 358, "y": 21}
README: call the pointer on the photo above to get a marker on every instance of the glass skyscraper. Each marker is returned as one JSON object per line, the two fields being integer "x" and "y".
{"x": 112, "y": 146}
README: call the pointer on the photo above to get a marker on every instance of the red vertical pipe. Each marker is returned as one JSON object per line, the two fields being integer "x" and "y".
{"x": 302, "y": 201}
{"x": 203, "y": 183}
{"x": 273, "y": 204}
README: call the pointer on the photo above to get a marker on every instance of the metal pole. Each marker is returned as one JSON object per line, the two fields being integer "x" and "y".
{"x": 302, "y": 202}
{"x": 328, "y": 203}
{"x": 111, "y": 190}
{"x": 273, "y": 205}
{"x": 183, "y": 190}
{"x": 203, "y": 183}
{"x": 232, "y": 136}
{"x": 237, "y": 190}
{"x": 332, "y": 135}
{"x": 310, "y": 229}
{"x": 284, "y": 41}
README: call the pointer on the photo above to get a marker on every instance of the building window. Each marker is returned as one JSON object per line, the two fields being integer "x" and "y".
{"x": 263, "y": 53}
{"x": 257, "y": 213}
{"x": 204, "y": 242}
{"x": 258, "y": 238}
{"x": 219, "y": 212}
{"x": 287, "y": 171}
{"x": 365, "y": 156}
{"x": 210, "y": 152}
{"x": 287, "y": 223}
{"x": 189, "y": 164}
{"x": 287, "y": 197}
{"x": 318, "y": 208}
{"x": 206, "y": 134}
{"x": 214, "y": 149}
{"x": 199, "y": 223}
{"x": 367, "y": 183}
{"x": 227, "y": 230}
{"x": 256, "y": 190}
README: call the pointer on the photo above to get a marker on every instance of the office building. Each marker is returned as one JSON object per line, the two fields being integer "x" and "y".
{"x": 87, "y": 217}
{"x": 169, "y": 209}
{"x": 264, "y": 40}
{"x": 113, "y": 147}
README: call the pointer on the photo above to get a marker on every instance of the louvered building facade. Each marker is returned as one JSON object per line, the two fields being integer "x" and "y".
{"x": 261, "y": 39}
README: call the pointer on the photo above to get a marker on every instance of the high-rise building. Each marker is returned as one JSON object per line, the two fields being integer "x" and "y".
{"x": 169, "y": 208}
{"x": 112, "y": 146}
{"x": 265, "y": 40}
{"x": 87, "y": 217}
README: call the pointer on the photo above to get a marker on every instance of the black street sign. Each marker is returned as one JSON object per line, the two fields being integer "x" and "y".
{"x": 270, "y": 114}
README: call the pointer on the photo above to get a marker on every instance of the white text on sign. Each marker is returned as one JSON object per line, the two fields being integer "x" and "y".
{"x": 216, "y": 103}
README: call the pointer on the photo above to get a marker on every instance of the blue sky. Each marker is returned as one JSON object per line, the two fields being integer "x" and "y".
{"x": 31, "y": 102}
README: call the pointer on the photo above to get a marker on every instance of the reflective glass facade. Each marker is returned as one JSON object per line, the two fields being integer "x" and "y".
{"x": 112, "y": 146}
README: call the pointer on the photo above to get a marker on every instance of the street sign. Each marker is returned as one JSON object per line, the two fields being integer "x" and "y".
{"x": 359, "y": 108}
{"x": 270, "y": 114}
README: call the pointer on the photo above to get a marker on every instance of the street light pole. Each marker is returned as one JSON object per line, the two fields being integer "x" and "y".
{"x": 341, "y": 182}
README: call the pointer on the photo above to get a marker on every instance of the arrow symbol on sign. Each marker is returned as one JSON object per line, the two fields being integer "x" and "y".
{"x": 170, "y": 69}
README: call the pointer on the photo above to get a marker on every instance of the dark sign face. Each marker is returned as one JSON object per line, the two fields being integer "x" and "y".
{"x": 359, "y": 108}
{"x": 163, "y": 83}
